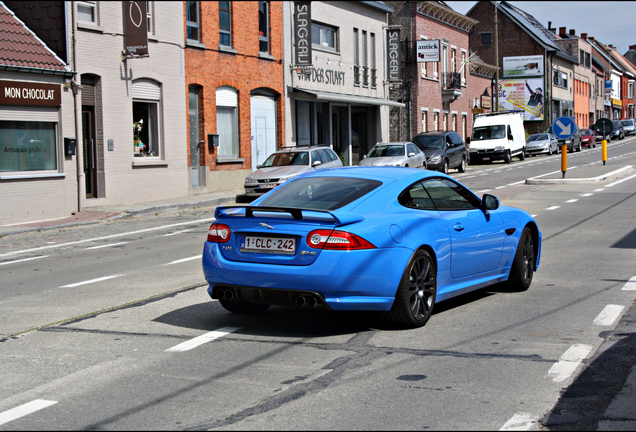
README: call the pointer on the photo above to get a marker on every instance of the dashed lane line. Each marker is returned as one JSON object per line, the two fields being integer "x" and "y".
{"x": 569, "y": 362}
{"x": 609, "y": 315}
{"x": 204, "y": 338}
{"x": 519, "y": 422}
{"x": 630, "y": 285}
{"x": 24, "y": 410}
{"x": 184, "y": 260}
{"x": 73, "y": 285}
{"x": 24, "y": 259}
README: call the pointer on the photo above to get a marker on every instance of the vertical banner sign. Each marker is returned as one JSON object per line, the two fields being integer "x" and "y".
{"x": 394, "y": 65}
{"x": 302, "y": 33}
{"x": 136, "y": 28}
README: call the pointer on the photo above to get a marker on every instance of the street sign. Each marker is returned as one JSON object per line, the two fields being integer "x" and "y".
{"x": 604, "y": 126}
{"x": 563, "y": 127}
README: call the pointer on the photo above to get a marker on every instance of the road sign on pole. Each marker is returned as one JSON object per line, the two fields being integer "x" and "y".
{"x": 563, "y": 127}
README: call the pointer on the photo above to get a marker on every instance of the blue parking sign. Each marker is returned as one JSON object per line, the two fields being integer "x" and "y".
{"x": 563, "y": 127}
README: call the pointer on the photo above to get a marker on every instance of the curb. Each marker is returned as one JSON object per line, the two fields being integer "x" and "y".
{"x": 609, "y": 176}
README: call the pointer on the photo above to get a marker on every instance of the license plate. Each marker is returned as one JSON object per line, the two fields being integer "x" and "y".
{"x": 267, "y": 185}
{"x": 486, "y": 158}
{"x": 280, "y": 245}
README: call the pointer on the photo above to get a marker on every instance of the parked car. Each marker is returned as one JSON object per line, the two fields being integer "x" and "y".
{"x": 542, "y": 143}
{"x": 392, "y": 240}
{"x": 444, "y": 150}
{"x": 629, "y": 126}
{"x": 498, "y": 136}
{"x": 588, "y": 138}
{"x": 573, "y": 143}
{"x": 405, "y": 154}
{"x": 286, "y": 164}
{"x": 617, "y": 132}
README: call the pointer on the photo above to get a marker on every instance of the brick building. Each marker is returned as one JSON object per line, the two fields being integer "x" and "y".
{"x": 519, "y": 34}
{"x": 234, "y": 80}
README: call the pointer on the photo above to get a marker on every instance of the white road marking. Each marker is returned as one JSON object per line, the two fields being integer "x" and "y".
{"x": 568, "y": 362}
{"x": 204, "y": 338}
{"x": 553, "y": 207}
{"x": 500, "y": 187}
{"x": 609, "y": 315}
{"x": 519, "y": 422}
{"x": 184, "y": 260}
{"x": 484, "y": 191}
{"x": 23, "y": 410}
{"x": 516, "y": 183}
{"x": 24, "y": 259}
{"x": 106, "y": 237}
{"x": 630, "y": 285}
{"x": 571, "y": 201}
{"x": 587, "y": 194}
{"x": 91, "y": 281}
{"x": 620, "y": 181}
{"x": 176, "y": 232}
{"x": 103, "y": 246}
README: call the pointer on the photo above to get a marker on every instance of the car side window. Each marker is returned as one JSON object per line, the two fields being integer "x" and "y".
{"x": 448, "y": 195}
{"x": 457, "y": 139}
{"x": 315, "y": 157}
{"x": 324, "y": 157}
{"x": 332, "y": 154}
{"x": 416, "y": 197}
{"x": 412, "y": 149}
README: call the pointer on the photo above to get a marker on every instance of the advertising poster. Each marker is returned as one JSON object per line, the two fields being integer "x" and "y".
{"x": 523, "y": 66}
{"x": 523, "y": 93}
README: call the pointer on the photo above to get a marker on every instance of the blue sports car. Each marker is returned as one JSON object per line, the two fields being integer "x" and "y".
{"x": 389, "y": 239}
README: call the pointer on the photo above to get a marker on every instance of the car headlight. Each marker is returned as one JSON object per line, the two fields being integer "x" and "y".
{"x": 568, "y": 141}
{"x": 472, "y": 150}
{"x": 284, "y": 179}
{"x": 499, "y": 148}
{"x": 435, "y": 159}
{"x": 250, "y": 180}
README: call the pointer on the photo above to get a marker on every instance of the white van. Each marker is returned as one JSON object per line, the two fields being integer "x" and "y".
{"x": 498, "y": 136}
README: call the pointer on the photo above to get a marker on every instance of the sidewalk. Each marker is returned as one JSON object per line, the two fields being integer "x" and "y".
{"x": 94, "y": 215}
{"x": 591, "y": 173}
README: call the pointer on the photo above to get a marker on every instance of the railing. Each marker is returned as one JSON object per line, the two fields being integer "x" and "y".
{"x": 365, "y": 76}
{"x": 451, "y": 80}
{"x": 374, "y": 78}
{"x": 356, "y": 75}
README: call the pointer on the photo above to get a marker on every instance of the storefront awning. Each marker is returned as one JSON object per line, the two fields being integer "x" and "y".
{"x": 347, "y": 98}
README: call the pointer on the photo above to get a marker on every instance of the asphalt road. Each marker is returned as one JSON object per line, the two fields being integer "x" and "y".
{"x": 127, "y": 337}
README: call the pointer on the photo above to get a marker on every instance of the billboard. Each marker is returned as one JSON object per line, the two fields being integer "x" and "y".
{"x": 523, "y": 93}
{"x": 523, "y": 66}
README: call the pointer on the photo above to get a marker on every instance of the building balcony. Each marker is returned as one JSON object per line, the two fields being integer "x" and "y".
{"x": 451, "y": 86}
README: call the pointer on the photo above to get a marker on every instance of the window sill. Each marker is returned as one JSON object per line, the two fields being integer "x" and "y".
{"x": 227, "y": 49}
{"x": 230, "y": 160}
{"x": 194, "y": 44}
{"x": 149, "y": 162}
{"x": 83, "y": 25}
{"x": 325, "y": 49}
{"x": 31, "y": 176}
{"x": 266, "y": 56}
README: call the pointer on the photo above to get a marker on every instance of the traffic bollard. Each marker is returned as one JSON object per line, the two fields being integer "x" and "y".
{"x": 564, "y": 158}
{"x": 604, "y": 152}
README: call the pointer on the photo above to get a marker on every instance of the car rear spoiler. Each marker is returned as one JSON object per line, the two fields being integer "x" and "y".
{"x": 297, "y": 213}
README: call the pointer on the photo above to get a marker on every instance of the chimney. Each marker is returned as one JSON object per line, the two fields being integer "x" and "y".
{"x": 550, "y": 26}
{"x": 572, "y": 32}
{"x": 591, "y": 38}
{"x": 562, "y": 32}
{"x": 584, "y": 36}
{"x": 632, "y": 47}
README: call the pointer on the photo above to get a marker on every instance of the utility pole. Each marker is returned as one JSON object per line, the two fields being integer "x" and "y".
{"x": 496, "y": 61}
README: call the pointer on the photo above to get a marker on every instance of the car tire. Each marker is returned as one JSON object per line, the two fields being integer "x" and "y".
{"x": 462, "y": 166}
{"x": 578, "y": 149}
{"x": 507, "y": 157}
{"x": 445, "y": 167}
{"x": 243, "y": 307}
{"x": 522, "y": 268}
{"x": 522, "y": 155}
{"x": 415, "y": 296}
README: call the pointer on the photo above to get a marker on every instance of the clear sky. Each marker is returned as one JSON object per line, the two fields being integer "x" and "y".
{"x": 610, "y": 22}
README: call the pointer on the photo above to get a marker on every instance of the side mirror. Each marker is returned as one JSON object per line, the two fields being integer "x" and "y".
{"x": 315, "y": 164}
{"x": 364, "y": 156}
{"x": 258, "y": 166}
{"x": 411, "y": 154}
{"x": 510, "y": 137}
{"x": 489, "y": 202}
{"x": 467, "y": 141}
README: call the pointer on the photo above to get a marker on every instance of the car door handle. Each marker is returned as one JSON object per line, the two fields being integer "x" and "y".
{"x": 458, "y": 227}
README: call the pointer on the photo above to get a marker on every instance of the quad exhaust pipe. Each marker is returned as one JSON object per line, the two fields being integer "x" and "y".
{"x": 224, "y": 294}
{"x": 306, "y": 301}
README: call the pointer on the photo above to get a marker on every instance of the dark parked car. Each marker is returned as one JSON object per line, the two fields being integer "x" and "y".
{"x": 618, "y": 132}
{"x": 589, "y": 138}
{"x": 444, "y": 150}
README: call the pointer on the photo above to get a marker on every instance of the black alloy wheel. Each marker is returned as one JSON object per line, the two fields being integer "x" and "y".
{"x": 415, "y": 297}
{"x": 522, "y": 268}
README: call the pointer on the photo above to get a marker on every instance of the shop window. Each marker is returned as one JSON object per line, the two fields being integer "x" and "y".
{"x": 263, "y": 26}
{"x": 27, "y": 146}
{"x": 227, "y": 122}
{"x": 324, "y": 36}
{"x": 146, "y": 99}
{"x": 225, "y": 23}
{"x": 192, "y": 21}
{"x": 87, "y": 11}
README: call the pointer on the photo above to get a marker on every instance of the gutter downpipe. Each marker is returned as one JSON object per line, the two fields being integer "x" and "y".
{"x": 78, "y": 119}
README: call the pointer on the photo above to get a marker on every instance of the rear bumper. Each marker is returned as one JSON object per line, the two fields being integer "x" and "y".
{"x": 354, "y": 280}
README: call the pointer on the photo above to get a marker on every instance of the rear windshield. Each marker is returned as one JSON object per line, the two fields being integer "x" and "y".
{"x": 586, "y": 132}
{"x": 387, "y": 151}
{"x": 489, "y": 132}
{"x": 429, "y": 142}
{"x": 538, "y": 137}
{"x": 320, "y": 193}
{"x": 287, "y": 158}
{"x": 627, "y": 122}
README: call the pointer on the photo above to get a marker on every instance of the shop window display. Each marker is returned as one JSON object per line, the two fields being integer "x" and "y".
{"x": 27, "y": 146}
{"x": 145, "y": 129}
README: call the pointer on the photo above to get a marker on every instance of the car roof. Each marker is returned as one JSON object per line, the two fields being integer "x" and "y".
{"x": 434, "y": 133}
{"x": 382, "y": 173}
{"x": 395, "y": 143}
{"x": 301, "y": 148}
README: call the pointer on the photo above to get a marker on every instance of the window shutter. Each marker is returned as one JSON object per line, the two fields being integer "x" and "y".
{"x": 226, "y": 97}
{"x": 146, "y": 89}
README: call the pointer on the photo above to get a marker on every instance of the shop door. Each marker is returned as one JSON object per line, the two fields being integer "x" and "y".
{"x": 340, "y": 132}
{"x": 263, "y": 112}
{"x": 90, "y": 151}
{"x": 360, "y": 124}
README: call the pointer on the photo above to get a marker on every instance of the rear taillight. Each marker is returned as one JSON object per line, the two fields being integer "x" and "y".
{"x": 219, "y": 233}
{"x": 336, "y": 240}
